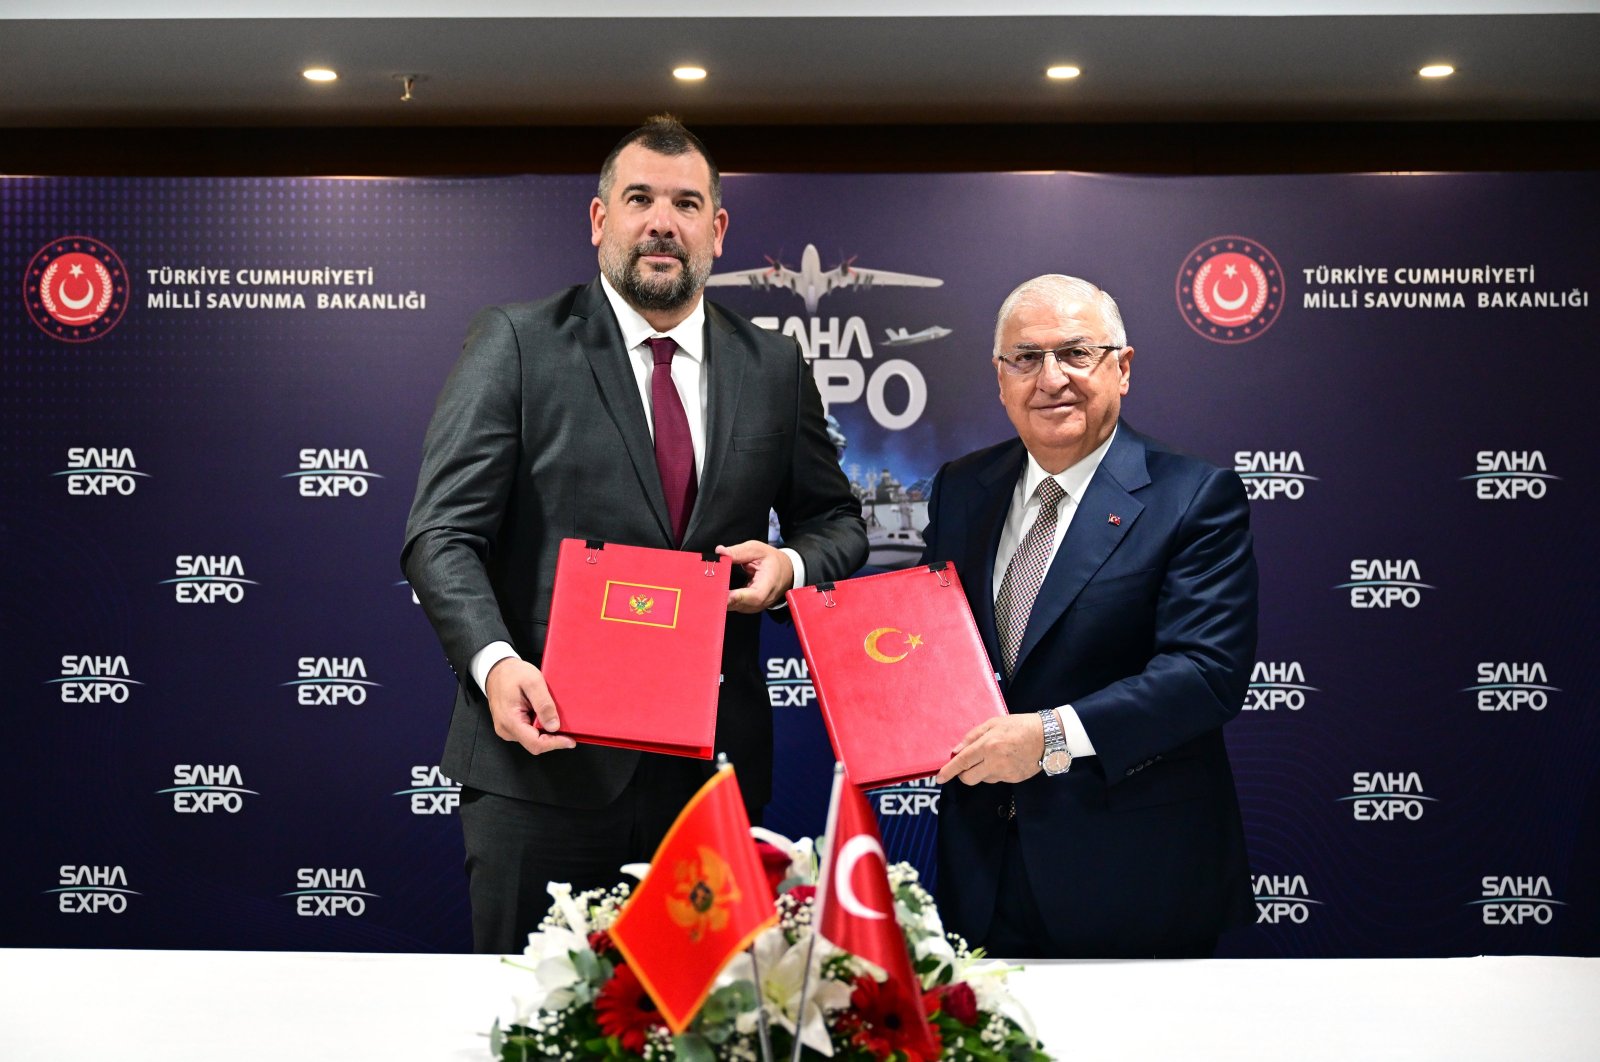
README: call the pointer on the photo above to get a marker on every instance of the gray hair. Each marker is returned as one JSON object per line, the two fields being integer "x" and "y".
{"x": 1058, "y": 292}
{"x": 665, "y": 135}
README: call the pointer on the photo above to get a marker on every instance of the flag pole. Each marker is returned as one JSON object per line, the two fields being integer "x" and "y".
{"x": 823, "y": 872}
{"x": 761, "y": 1007}
{"x": 755, "y": 965}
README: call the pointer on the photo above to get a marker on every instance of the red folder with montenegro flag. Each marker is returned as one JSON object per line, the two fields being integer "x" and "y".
{"x": 899, "y": 669}
{"x": 633, "y": 657}
{"x": 704, "y": 900}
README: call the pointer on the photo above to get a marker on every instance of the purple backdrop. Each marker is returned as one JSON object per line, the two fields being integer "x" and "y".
{"x": 225, "y": 705}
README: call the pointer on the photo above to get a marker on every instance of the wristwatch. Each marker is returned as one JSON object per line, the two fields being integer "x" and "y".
{"x": 1056, "y": 758}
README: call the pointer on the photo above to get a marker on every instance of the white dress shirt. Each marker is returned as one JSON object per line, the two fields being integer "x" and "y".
{"x": 1024, "y": 510}
{"x": 693, "y": 384}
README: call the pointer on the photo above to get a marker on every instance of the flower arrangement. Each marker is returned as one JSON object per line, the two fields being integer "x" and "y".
{"x": 585, "y": 1002}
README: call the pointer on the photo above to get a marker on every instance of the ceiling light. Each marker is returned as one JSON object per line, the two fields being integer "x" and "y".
{"x": 1062, "y": 73}
{"x": 319, "y": 73}
{"x": 1437, "y": 70}
{"x": 690, "y": 73}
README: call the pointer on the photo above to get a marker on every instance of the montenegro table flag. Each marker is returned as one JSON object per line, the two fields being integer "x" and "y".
{"x": 704, "y": 900}
{"x": 856, "y": 913}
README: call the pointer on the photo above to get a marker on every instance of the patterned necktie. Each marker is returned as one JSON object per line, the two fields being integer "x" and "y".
{"x": 1025, "y": 573}
{"x": 674, "y": 450}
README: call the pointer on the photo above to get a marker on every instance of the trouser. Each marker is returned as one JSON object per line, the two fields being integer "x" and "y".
{"x": 514, "y": 848}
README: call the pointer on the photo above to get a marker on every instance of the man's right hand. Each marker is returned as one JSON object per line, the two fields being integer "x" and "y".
{"x": 521, "y": 707}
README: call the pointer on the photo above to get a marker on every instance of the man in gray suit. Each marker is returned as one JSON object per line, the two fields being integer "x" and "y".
{"x": 632, "y": 411}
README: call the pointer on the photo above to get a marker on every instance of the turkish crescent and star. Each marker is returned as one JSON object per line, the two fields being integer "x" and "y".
{"x": 872, "y": 650}
{"x": 851, "y": 853}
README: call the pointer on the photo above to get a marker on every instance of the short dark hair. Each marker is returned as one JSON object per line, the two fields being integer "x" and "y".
{"x": 665, "y": 135}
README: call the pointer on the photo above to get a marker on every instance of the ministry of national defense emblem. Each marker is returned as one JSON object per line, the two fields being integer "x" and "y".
{"x": 1230, "y": 289}
{"x": 76, "y": 289}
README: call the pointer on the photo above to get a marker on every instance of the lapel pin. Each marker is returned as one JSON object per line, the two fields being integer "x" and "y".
{"x": 1114, "y": 520}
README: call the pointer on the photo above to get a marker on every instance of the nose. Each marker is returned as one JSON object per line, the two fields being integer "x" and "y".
{"x": 662, "y": 222}
{"x": 1052, "y": 376}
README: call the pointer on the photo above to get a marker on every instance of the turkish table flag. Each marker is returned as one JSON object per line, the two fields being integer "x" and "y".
{"x": 704, "y": 900}
{"x": 856, "y": 907}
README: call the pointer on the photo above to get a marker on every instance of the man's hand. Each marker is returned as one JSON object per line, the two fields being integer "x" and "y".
{"x": 1006, "y": 749}
{"x": 771, "y": 575}
{"x": 521, "y": 706}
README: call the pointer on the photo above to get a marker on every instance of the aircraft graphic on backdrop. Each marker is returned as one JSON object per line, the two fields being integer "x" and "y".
{"x": 811, "y": 282}
{"x": 903, "y": 337}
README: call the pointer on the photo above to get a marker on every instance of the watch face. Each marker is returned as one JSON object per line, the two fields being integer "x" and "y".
{"x": 1057, "y": 762}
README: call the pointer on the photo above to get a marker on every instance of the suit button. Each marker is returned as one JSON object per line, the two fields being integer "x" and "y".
{"x": 1128, "y": 772}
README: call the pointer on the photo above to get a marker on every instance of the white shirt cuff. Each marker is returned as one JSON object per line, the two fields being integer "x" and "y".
{"x": 484, "y": 660}
{"x": 1078, "y": 743}
{"x": 799, "y": 574}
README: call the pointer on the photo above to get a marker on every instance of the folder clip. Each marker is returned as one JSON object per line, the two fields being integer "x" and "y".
{"x": 938, "y": 568}
{"x": 826, "y": 590}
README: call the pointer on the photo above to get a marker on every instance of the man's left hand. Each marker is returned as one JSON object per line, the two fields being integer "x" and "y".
{"x": 771, "y": 575}
{"x": 1006, "y": 749}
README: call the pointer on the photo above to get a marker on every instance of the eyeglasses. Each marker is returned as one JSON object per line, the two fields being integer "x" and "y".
{"x": 1079, "y": 359}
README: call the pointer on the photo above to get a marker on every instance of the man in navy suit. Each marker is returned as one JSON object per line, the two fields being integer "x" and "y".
{"x": 1114, "y": 583}
{"x": 629, "y": 410}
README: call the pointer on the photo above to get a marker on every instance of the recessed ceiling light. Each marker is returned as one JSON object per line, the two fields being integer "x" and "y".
{"x": 689, "y": 73}
{"x": 1437, "y": 70}
{"x": 1062, "y": 73}
{"x": 319, "y": 73}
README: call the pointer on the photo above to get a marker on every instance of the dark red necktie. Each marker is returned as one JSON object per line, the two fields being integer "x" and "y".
{"x": 674, "y": 449}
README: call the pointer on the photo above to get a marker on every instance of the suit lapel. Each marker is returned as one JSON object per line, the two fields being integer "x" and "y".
{"x": 1106, "y": 514}
{"x": 986, "y": 516}
{"x": 725, "y": 361}
{"x": 596, "y": 334}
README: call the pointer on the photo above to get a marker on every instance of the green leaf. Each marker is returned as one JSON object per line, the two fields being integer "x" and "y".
{"x": 592, "y": 968}
{"x": 691, "y": 1047}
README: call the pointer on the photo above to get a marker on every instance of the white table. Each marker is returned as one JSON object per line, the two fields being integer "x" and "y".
{"x": 176, "y": 1006}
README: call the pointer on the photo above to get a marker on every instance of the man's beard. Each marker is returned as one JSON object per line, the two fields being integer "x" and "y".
{"x": 647, "y": 289}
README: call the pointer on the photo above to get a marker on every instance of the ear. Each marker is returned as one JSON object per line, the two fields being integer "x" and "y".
{"x": 719, "y": 229}
{"x": 1125, "y": 366}
{"x": 597, "y": 220}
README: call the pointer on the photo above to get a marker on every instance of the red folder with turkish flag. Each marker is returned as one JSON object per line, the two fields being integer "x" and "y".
{"x": 899, "y": 669}
{"x": 633, "y": 657}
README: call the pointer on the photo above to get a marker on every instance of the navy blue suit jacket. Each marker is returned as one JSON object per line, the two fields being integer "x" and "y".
{"x": 1146, "y": 625}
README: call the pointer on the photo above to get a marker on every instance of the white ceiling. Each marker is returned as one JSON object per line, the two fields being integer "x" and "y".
{"x": 889, "y": 61}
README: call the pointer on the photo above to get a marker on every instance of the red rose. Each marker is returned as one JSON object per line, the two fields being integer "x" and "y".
{"x": 956, "y": 1000}
{"x": 600, "y": 943}
{"x": 775, "y": 861}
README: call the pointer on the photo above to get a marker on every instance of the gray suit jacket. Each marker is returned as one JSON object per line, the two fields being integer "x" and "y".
{"x": 539, "y": 435}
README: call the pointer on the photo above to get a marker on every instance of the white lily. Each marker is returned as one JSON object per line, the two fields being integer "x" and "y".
{"x": 549, "y": 956}
{"x": 561, "y": 893}
{"x": 988, "y": 980}
{"x": 939, "y": 948}
{"x": 782, "y": 970}
{"x": 802, "y": 865}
